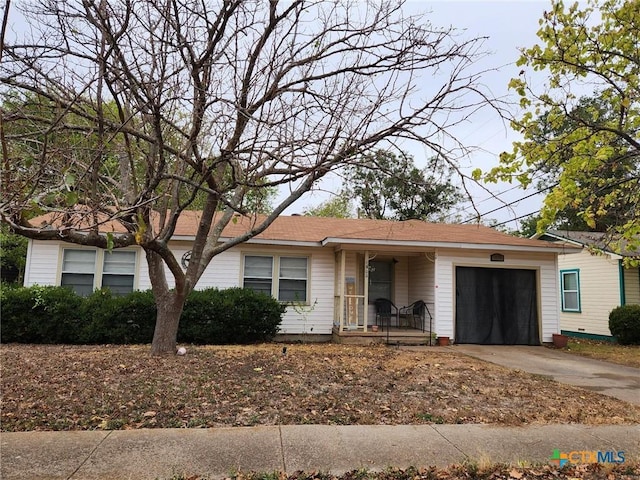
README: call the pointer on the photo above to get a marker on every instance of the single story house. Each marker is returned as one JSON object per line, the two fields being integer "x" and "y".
{"x": 592, "y": 282}
{"x": 479, "y": 285}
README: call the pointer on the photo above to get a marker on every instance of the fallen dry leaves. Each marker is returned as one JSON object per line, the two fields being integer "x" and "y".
{"x": 123, "y": 387}
{"x": 460, "y": 472}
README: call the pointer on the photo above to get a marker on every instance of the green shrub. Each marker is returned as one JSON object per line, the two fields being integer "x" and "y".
{"x": 234, "y": 315}
{"x": 122, "y": 319}
{"x": 57, "y": 315}
{"x": 40, "y": 315}
{"x": 624, "y": 323}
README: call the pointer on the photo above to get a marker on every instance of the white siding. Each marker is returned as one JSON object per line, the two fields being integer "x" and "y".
{"x": 632, "y": 285}
{"x": 599, "y": 277}
{"x": 545, "y": 264}
{"x": 422, "y": 279}
{"x": 223, "y": 272}
{"x": 315, "y": 318}
{"x": 401, "y": 282}
{"x": 43, "y": 263}
{"x": 421, "y": 275}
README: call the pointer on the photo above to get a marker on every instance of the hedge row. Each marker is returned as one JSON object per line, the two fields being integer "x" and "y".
{"x": 57, "y": 315}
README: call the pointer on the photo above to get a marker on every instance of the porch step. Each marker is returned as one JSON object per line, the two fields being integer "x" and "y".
{"x": 394, "y": 338}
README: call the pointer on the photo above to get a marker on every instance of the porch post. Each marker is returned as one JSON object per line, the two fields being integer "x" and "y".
{"x": 365, "y": 309}
{"x": 343, "y": 259}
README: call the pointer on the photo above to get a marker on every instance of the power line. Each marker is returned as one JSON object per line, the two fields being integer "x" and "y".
{"x": 514, "y": 219}
{"x": 537, "y": 192}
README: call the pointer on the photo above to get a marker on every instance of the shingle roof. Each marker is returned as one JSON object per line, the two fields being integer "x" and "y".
{"x": 600, "y": 240}
{"x": 321, "y": 230}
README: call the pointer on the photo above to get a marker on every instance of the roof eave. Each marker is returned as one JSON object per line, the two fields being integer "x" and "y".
{"x": 333, "y": 241}
{"x": 581, "y": 245}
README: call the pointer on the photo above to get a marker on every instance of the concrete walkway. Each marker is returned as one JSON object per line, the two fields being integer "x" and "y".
{"x": 216, "y": 453}
{"x": 607, "y": 378}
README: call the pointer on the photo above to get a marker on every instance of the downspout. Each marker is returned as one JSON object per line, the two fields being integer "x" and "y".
{"x": 623, "y": 299}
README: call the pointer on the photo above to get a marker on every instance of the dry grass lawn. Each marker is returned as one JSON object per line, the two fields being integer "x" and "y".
{"x": 122, "y": 387}
{"x": 621, "y": 354}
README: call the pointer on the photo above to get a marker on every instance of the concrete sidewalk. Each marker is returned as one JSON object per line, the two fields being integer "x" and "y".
{"x": 216, "y": 453}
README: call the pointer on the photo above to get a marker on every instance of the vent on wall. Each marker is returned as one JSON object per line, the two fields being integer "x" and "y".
{"x": 497, "y": 257}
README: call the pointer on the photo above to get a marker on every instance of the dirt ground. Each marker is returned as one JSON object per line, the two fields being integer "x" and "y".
{"x": 123, "y": 387}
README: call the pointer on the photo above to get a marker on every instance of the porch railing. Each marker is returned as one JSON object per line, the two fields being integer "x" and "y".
{"x": 352, "y": 317}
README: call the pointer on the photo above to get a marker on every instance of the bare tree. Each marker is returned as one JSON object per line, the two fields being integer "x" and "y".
{"x": 129, "y": 111}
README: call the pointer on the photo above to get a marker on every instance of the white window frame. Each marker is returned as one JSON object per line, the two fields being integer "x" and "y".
{"x": 564, "y": 291}
{"x": 99, "y": 266}
{"x": 82, "y": 271}
{"x": 276, "y": 275}
{"x": 112, "y": 274}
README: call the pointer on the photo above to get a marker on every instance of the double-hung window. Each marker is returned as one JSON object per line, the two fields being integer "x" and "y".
{"x": 292, "y": 281}
{"x": 118, "y": 271}
{"x": 258, "y": 273}
{"x": 570, "y": 288}
{"x": 78, "y": 271}
{"x": 86, "y": 270}
{"x": 283, "y": 277}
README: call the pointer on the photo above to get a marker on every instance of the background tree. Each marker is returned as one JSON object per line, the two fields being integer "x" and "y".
{"x": 338, "y": 206}
{"x": 591, "y": 147}
{"x": 153, "y": 104}
{"x": 389, "y": 186}
{"x": 13, "y": 256}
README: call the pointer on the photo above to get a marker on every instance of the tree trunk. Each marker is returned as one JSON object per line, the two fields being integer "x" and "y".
{"x": 166, "y": 332}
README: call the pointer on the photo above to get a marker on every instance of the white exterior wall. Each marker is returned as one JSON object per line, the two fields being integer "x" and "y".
{"x": 315, "y": 318}
{"x": 632, "y": 286}
{"x": 422, "y": 280}
{"x": 422, "y": 275}
{"x": 401, "y": 282}
{"x": 547, "y": 284}
{"x": 45, "y": 264}
{"x": 599, "y": 277}
{"x": 222, "y": 272}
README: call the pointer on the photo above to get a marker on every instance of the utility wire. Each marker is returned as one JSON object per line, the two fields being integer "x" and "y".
{"x": 514, "y": 219}
{"x": 537, "y": 192}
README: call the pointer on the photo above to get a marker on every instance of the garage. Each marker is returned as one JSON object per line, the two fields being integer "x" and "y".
{"x": 496, "y": 306}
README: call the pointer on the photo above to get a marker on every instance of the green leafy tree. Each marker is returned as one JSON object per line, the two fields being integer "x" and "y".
{"x": 13, "y": 256}
{"x": 389, "y": 186}
{"x": 157, "y": 107}
{"x": 590, "y": 146}
{"x": 338, "y": 206}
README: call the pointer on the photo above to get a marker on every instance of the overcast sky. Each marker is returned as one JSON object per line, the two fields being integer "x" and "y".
{"x": 509, "y": 25}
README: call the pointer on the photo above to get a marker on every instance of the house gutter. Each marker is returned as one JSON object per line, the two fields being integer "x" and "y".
{"x": 474, "y": 246}
{"x": 258, "y": 241}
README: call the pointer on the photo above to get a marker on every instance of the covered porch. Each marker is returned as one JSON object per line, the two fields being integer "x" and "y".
{"x": 403, "y": 276}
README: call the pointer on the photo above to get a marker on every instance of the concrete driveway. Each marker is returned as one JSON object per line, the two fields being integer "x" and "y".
{"x": 607, "y": 378}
